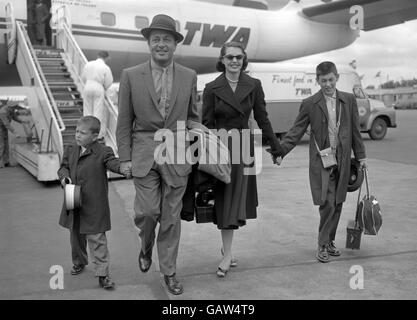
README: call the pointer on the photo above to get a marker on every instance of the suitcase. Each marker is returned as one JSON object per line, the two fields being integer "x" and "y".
{"x": 353, "y": 235}
{"x": 353, "y": 230}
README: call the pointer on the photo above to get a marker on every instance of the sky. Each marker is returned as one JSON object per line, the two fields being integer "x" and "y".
{"x": 391, "y": 50}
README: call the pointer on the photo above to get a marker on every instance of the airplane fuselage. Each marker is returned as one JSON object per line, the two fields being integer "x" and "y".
{"x": 269, "y": 36}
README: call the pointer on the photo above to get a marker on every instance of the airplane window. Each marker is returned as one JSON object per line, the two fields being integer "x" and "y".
{"x": 108, "y": 19}
{"x": 141, "y": 22}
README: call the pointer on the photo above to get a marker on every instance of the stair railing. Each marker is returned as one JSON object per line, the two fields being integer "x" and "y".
{"x": 45, "y": 96}
{"x": 77, "y": 60}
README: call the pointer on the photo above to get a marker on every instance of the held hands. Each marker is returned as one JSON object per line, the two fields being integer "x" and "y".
{"x": 126, "y": 169}
{"x": 275, "y": 156}
{"x": 363, "y": 164}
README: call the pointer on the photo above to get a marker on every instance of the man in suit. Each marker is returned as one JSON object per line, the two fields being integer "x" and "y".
{"x": 334, "y": 120}
{"x": 154, "y": 96}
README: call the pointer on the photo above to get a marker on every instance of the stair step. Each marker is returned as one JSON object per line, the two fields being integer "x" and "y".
{"x": 60, "y": 82}
{"x": 50, "y": 60}
{"x": 52, "y": 69}
{"x": 51, "y": 64}
{"x": 57, "y": 74}
{"x": 68, "y": 108}
{"x": 71, "y": 122}
{"x": 69, "y": 103}
{"x": 62, "y": 88}
{"x": 66, "y": 95}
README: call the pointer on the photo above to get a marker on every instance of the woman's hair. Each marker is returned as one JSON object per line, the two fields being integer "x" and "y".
{"x": 233, "y": 44}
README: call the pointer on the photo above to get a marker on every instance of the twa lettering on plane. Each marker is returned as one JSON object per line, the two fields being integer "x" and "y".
{"x": 215, "y": 35}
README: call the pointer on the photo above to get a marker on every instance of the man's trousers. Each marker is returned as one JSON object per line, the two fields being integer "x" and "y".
{"x": 329, "y": 213}
{"x": 159, "y": 199}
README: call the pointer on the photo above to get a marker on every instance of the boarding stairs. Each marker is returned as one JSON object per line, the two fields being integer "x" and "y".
{"x": 51, "y": 78}
{"x": 63, "y": 88}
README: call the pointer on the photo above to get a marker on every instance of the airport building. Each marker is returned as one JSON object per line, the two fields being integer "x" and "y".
{"x": 400, "y": 98}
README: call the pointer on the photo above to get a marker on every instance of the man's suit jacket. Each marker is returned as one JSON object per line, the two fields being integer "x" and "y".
{"x": 139, "y": 118}
{"x": 90, "y": 172}
{"x": 313, "y": 112}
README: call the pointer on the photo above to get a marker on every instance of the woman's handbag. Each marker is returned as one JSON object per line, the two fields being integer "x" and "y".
{"x": 369, "y": 212}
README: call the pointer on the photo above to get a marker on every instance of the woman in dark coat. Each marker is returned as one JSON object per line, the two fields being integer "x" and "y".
{"x": 227, "y": 104}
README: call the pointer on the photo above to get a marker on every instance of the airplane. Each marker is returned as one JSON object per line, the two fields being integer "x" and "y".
{"x": 298, "y": 28}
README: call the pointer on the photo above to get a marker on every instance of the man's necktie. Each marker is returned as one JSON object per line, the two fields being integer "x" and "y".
{"x": 164, "y": 92}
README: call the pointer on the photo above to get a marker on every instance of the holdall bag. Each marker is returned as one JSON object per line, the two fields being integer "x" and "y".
{"x": 214, "y": 158}
{"x": 353, "y": 230}
{"x": 370, "y": 217}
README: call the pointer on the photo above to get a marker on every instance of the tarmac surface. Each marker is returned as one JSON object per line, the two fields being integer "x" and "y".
{"x": 275, "y": 252}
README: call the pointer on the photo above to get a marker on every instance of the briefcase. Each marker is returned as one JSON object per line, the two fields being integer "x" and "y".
{"x": 353, "y": 235}
{"x": 204, "y": 206}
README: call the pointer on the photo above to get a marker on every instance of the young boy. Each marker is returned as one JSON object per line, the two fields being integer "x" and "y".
{"x": 85, "y": 163}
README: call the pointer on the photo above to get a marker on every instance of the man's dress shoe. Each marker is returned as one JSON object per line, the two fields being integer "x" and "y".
{"x": 144, "y": 262}
{"x": 173, "y": 285}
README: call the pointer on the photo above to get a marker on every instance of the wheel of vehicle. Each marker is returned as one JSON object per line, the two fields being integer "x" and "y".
{"x": 378, "y": 129}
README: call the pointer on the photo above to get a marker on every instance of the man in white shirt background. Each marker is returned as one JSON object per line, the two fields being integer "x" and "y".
{"x": 97, "y": 78}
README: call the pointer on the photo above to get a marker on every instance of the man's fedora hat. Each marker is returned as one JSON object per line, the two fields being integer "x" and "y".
{"x": 72, "y": 194}
{"x": 162, "y": 22}
{"x": 355, "y": 176}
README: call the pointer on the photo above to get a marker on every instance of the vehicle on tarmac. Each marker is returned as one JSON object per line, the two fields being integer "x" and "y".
{"x": 286, "y": 84}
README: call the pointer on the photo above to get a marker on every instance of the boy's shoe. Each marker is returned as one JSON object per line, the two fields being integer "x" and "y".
{"x": 77, "y": 269}
{"x": 332, "y": 250}
{"x": 106, "y": 282}
{"x": 322, "y": 255}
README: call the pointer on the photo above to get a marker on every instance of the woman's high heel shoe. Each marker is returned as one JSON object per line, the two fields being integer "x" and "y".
{"x": 233, "y": 263}
{"x": 221, "y": 273}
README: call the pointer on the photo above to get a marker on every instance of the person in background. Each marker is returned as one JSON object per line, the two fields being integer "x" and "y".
{"x": 41, "y": 16}
{"x": 97, "y": 78}
{"x": 8, "y": 111}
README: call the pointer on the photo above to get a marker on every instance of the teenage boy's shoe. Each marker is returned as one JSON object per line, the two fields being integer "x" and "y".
{"x": 322, "y": 255}
{"x": 332, "y": 250}
{"x": 106, "y": 282}
{"x": 77, "y": 269}
{"x": 173, "y": 285}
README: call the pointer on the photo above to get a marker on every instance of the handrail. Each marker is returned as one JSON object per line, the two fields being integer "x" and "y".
{"x": 42, "y": 77}
{"x": 78, "y": 61}
{"x": 28, "y": 49}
